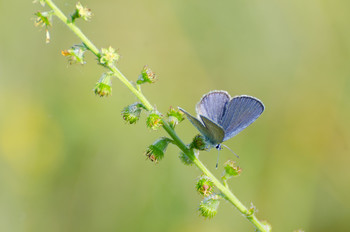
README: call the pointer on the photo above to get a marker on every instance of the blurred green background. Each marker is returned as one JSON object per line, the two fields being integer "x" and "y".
{"x": 68, "y": 162}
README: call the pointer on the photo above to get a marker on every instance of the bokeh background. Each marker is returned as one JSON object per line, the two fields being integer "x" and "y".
{"x": 68, "y": 162}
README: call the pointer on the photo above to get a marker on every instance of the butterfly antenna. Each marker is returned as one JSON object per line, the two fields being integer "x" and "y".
{"x": 217, "y": 160}
{"x": 230, "y": 150}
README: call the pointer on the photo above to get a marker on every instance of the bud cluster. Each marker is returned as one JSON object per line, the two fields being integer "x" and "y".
{"x": 230, "y": 170}
{"x": 75, "y": 54}
{"x": 155, "y": 152}
{"x": 81, "y": 12}
{"x": 103, "y": 87}
{"x": 108, "y": 56}
{"x": 44, "y": 19}
{"x": 208, "y": 208}
{"x": 174, "y": 117}
{"x": 185, "y": 159}
{"x": 131, "y": 113}
{"x": 205, "y": 186}
{"x": 199, "y": 143}
{"x": 154, "y": 120}
{"x": 146, "y": 76}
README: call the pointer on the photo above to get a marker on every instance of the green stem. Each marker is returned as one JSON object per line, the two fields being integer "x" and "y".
{"x": 73, "y": 27}
{"x": 224, "y": 182}
{"x": 229, "y": 196}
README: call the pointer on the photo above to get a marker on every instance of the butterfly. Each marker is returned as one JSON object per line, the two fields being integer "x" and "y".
{"x": 221, "y": 117}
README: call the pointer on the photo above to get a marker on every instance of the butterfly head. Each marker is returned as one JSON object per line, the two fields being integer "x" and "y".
{"x": 218, "y": 147}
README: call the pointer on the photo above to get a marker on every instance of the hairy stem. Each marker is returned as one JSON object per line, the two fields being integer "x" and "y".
{"x": 228, "y": 195}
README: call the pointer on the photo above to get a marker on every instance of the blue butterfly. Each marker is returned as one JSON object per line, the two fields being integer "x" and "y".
{"x": 221, "y": 117}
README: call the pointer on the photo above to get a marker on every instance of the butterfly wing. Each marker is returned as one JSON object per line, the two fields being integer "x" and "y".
{"x": 217, "y": 133}
{"x": 240, "y": 112}
{"x": 210, "y": 130}
{"x": 213, "y": 104}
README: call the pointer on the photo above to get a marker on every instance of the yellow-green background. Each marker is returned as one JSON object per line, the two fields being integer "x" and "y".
{"x": 68, "y": 162}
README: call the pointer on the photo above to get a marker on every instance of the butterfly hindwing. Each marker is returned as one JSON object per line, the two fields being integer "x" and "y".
{"x": 196, "y": 123}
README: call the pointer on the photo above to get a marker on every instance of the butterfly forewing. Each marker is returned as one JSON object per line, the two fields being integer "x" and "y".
{"x": 212, "y": 105}
{"x": 198, "y": 124}
{"x": 240, "y": 112}
{"x": 210, "y": 130}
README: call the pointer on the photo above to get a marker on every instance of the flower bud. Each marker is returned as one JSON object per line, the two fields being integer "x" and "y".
{"x": 185, "y": 159}
{"x": 155, "y": 152}
{"x": 251, "y": 211}
{"x": 146, "y": 76}
{"x": 109, "y": 56}
{"x": 75, "y": 54}
{"x": 199, "y": 143}
{"x": 104, "y": 85}
{"x": 43, "y": 19}
{"x": 81, "y": 12}
{"x": 205, "y": 186}
{"x": 208, "y": 207}
{"x": 131, "y": 113}
{"x": 154, "y": 120}
{"x": 230, "y": 170}
{"x": 174, "y": 117}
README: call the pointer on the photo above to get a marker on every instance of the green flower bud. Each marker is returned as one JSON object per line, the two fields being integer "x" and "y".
{"x": 75, "y": 54}
{"x": 199, "y": 143}
{"x": 81, "y": 12}
{"x": 185, "y": 159}
{"x": 146, "y": 76}
{"x": 155, "y": 152}
{"x": 109, "y": 56}
{"x": 205, "y": 186}
{"x": 103, "y": 87}
{"x": 174, "y": 117}
{"x": 154, "y": 120}
{"x": 251, "y": 211}
{"x": 208, "y": 207}
{"x": 230, "y": 170}
{"x": 131, "y": 113}
{"x": 43, "y": 19}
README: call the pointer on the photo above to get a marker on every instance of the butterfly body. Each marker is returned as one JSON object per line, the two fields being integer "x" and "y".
{"x": 220, "y": 117}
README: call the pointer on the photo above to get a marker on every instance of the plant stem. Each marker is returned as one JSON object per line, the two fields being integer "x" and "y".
{"x": 229, "y": 196}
